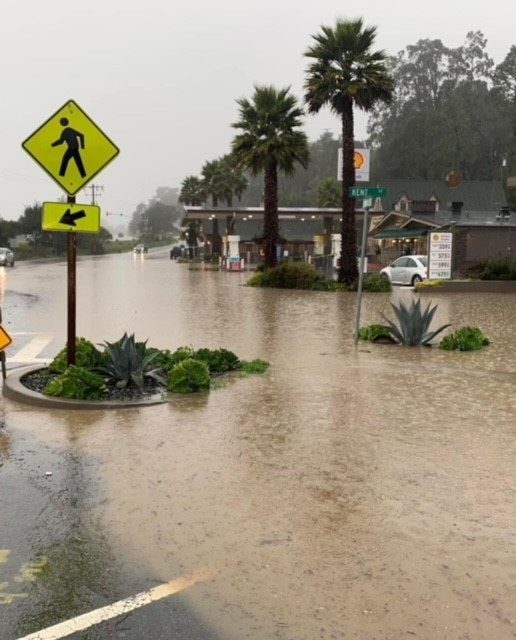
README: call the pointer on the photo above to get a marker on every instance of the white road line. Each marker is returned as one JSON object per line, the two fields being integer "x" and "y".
{"x": 30, "y": 352}
{"x": 87, "y": 620}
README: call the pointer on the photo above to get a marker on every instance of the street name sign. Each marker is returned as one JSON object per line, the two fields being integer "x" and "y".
{"x": 70, "y": 147}
{"x": 79, "y": 218}
{"x": 368, "y": 192}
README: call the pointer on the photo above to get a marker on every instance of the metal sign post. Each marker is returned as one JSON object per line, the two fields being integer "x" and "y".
{"x": 361, "y": 273}
{"x": 364, "y": 192}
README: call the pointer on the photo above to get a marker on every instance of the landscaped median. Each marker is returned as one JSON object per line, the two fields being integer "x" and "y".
{"x": 125, "y": 374}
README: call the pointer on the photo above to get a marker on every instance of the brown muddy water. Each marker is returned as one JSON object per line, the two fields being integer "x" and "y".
{"x": 350, "y": 492}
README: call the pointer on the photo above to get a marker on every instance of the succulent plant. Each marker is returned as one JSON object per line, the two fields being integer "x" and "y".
{"x": 189, "y": 376}
{"x": 413, "y": 324}
{"x": 128, "y": 362}
{"x": 77, "y": 383}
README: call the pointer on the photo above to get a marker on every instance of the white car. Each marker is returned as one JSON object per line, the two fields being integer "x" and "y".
{"x": 407, "y": 270}
{"x": 6, "y": 257}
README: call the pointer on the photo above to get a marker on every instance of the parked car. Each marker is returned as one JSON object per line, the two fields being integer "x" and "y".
{"x": 140, "y": 248}
{"x": 407, "y": 270}
{"x": 6, "y": 257}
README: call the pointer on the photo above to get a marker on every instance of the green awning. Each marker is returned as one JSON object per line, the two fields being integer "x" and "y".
{"x": 400, "y": 233}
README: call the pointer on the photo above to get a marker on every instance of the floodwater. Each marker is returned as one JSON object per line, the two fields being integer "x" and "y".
{"x": 361, "y": 492}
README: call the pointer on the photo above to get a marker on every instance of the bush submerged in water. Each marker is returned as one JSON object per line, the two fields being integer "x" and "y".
{"x": 301, "y": 275}
{"x": 464, "y": 339}
{"x": 189, "y": 376}
{"x": 128, "y": 369}
{"x": 286, "y": 275}
{"x": 77, "y": 383}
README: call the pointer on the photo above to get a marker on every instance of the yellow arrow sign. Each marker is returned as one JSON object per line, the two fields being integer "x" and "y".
{"x": 5, "y": 338}
{"x": 70, "y": 147}
{"x": 80, "y": 218}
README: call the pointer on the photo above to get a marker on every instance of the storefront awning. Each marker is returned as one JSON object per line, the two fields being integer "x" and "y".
{"x": 400, "y": 233}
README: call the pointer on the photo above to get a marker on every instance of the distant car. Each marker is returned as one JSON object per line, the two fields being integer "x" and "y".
{"x": 140, "y": 248}
{"x": 407, "y": 270}
{"x": 6, "y": 257}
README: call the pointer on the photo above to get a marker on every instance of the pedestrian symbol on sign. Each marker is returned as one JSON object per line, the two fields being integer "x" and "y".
{"x": 72, "y": 138}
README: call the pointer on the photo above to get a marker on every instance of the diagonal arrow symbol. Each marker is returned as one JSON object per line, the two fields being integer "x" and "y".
{"x": 69, "y": 218}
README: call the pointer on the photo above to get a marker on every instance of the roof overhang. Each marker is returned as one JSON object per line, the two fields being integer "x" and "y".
{"x": 400, "y": 233}
{"x": 241, "y": 213}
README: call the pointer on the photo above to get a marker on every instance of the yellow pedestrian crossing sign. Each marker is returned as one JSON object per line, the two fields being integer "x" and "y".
{"x": 78, "y": 218}
{"x": 5, "y": 338}
{"x": 70, "y": 147}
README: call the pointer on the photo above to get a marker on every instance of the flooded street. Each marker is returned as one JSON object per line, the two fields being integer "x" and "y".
{"x": 363, "y": 492}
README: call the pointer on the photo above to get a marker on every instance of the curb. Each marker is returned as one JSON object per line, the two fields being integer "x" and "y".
{"x": 15, "y": 390}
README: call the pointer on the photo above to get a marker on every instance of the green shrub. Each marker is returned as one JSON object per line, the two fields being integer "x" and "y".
{"x": 413, "y": 324}
{"x": 374, "y": 332}
{"x": 464, "y": 339}
{"x": 127, "y": 362}
{"x": 287, "y": 275}
{"x": 375, "y": 283}
{"x": 166, "y": 359}
{"x": 189, "y": 376}
{"x": 218, "y": 360}
{"x": 77, "y": 383}
{"x": 253, "y": 366}
{"x": 86, "y": 355}
{"x": 494, "y": 270}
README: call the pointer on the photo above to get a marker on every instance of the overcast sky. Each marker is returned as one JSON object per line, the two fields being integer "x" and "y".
{"x": 160, "y": 77}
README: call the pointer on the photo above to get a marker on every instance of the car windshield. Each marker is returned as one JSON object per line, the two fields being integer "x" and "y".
{"x": 424, "y": 261}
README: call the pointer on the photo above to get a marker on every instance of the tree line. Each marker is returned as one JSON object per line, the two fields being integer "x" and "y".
{"x": 160, "y": 218}
{"x": 432, "y": 109}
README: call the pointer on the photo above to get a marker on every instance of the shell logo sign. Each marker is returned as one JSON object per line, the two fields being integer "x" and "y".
{"x": 359, "y": 160}
{"x": 362, "y": 160}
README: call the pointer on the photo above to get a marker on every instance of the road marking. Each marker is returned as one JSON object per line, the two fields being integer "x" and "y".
{"x": 29, "y": 353}
{"x": 87, "y": 620}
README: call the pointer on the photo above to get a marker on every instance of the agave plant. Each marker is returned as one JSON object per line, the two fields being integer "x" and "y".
{"x": 127, "y": 361}
{"x": 413, "y": 324}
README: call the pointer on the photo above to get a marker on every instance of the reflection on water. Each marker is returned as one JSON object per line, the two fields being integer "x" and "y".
{"x": 350, "y": 492}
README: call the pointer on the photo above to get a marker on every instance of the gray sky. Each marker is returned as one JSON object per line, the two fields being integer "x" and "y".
{"x": 160, "y": 77}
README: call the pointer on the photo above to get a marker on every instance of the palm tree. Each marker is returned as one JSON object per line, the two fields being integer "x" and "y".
{"x": 214, "y": 185}
{"x": 235, "y": 181}
{"x": 345, "y": 72}
{"x": 192, "y": 192}
{"x": 270, "y": 141}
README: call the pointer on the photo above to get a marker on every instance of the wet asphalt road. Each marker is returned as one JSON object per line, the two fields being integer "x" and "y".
{"x": 41, "y": 513}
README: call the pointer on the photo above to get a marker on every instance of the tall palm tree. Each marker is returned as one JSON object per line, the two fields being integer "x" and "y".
{"x": 235, "y": 181}
{"x": 192, "y": 192}
{"x": 345, "y": 72}
{"x": 214, "y": 185}
{"x": 270, "y": 141}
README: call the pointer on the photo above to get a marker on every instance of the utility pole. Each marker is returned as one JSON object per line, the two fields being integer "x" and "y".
{"x": 95, "y": 190}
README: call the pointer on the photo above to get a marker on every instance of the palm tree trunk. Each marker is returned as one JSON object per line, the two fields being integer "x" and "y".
{"x": 270, "y": 215}
{"x": 348, "y": 270}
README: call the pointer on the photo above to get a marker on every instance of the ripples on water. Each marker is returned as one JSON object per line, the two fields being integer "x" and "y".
{"x": 351, "y": 492}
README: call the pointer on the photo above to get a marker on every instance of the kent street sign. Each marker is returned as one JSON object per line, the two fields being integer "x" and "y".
{"x": 70, "y": 147}
{"x": 368, "y": 192}
{"x": 79, "y": 218}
